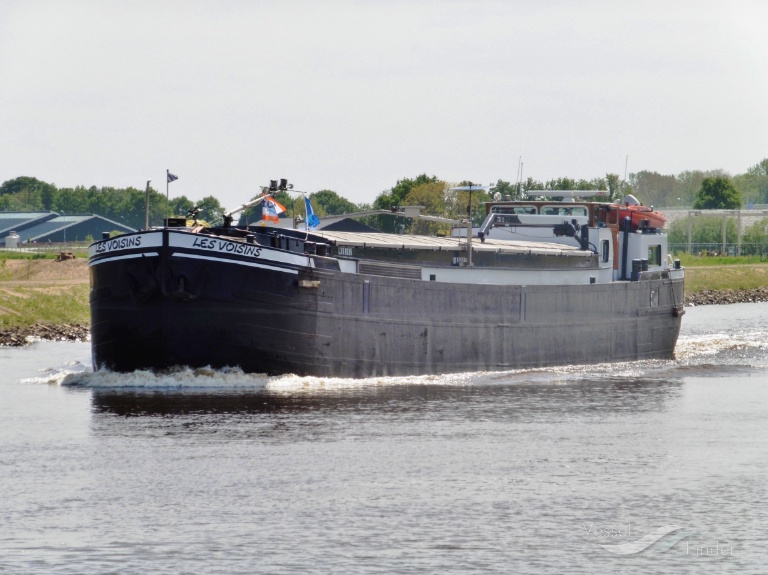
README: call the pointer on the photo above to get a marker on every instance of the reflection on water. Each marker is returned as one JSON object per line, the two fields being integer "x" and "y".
{"x": 492, "y": 401}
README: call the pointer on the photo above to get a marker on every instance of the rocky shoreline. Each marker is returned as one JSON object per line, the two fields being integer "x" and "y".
{"x": 710, "y": 297}
{"x": 20, "y": 336}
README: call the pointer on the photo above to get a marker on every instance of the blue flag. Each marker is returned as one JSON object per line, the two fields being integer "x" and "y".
{"x": 312, "y": 219}
{"x": 171, "y": 177}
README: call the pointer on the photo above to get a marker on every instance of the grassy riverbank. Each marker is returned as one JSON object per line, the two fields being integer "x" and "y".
{"x": 54, "y": 304}
{"x": 37, "y": 290}
{"x": 34, "y": 290}
{"x": 704, "y": 273}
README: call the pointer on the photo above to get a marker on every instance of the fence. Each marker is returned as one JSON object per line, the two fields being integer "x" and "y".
{"x": 719, "y": 249}
{"x": 45, "y": 248}
{"x": 744, "y": 219}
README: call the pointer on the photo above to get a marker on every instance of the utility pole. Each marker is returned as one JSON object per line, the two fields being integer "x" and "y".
{"x": 146, "y": 213}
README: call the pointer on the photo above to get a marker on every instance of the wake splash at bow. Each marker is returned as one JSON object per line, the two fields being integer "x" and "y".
{"x": 207, "y": 379}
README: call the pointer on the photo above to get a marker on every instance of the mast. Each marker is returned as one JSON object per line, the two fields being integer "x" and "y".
{"x": 469, "y": 187}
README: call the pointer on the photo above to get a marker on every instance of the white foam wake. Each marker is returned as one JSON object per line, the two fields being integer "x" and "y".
{"x": 234, "y": 378}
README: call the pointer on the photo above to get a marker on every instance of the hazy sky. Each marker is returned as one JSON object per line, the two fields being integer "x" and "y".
{"x": 352, "y": 96}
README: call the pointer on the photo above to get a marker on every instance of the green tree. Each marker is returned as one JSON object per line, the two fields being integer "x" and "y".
{"x": 329, "y": 203}
{"x": 755, "y": 238}
{"x": 688, "y": 184}
{"x": 159, "y": 207}
{"x": 527, "y": 187}
{"x": 653, "y": 188}
{"x": 72, "y": 200}
{"x": 431, "y": 196}
{"x": 31, "y": 192}
{"x": 613, "y": 185}
{"x": 506, "y": 190}
{"x": 394, "y": 198}
{"x": 561, "y": 184}
{"x": 26, "y": 200}
{"x": 753, "y": 186}
{"x": 288, "y": 201}
{"x": 458, "y": 200}
{"x": 181, "y": 206}
{"x": 717, "y": 194}
{"x": 211, "y": 212}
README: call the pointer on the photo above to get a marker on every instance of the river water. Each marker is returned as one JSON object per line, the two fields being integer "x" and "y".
{"x": 649, "y": 467}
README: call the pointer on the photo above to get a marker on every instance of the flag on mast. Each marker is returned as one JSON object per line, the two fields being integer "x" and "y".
{"x": 169, "y": 178}
{"x": 271, "y": 210}
{"x": 312, "y": 219}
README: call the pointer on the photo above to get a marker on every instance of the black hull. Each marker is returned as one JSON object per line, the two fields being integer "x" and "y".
{"x": 159, "y": 311}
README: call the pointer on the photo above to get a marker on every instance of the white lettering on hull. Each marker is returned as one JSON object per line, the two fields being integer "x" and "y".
{"x": 199, "y": 244}
{"x": 120, "y": 243}
{"x": 227, "y": 247}
{"x": 223, "y": 246}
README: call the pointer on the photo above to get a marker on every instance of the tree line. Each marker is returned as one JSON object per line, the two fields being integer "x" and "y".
{"x": 128, "y": 205}
{"x": 124, "y": 205}
{"x": 698, "y": 189}
{"x": 683, "y": 190}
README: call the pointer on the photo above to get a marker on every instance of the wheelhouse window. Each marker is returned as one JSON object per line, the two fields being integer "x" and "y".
{"x": 513, "y": 210}
{"x": 566, "y": 210}
{"x": 654, "y": 255}
{"x": 605, "y": 248}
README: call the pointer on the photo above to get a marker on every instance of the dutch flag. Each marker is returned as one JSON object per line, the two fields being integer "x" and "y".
{"x": 271, "y": 210}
